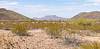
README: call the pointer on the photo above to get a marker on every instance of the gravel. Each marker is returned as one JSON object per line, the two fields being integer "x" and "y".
{"x": 38, "y": 40}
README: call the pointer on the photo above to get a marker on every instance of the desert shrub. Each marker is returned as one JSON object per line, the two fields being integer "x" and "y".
{"x": 54, "y": 30}
{"x": 20, "y": 29}
{"x": 72, "y": 38}
{"x": 95, "y": 28}
{"x": 82, "y": 23}
{"x": 65, "y": 25}
{"x": 94, "y": 45}
{"x": 38, "y": 25}
{"x": 1, "y": 26}
{"x": 70, "y": 31}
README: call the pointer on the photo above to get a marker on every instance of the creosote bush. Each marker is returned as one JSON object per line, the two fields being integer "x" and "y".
{"x": 83, "y": 24}
{"x": 20, "y": 29}
{"x": 96, "y": 28}
{"x": 54, "y": 30}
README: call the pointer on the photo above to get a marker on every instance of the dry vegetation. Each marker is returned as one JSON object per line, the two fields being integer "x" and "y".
{"x": 20, "y": 29}
{"x": 90, "y": 45}
{"x": 68, "y": 31}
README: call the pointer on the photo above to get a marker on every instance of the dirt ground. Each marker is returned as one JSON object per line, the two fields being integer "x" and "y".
{"x": 38, "y": 40}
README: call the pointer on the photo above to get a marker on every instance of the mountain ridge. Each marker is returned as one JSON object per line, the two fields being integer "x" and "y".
{"x": 88, "y": 15}
{"x": 6, "y": 14}
{"x": 50, "y": 18}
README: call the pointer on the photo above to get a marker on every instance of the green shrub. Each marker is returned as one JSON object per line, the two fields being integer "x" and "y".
{"x": 96, "y": 28}
{"x": 94, "y": 45}
{"x": 20, "y": 29}
{"x": 54, "y": 30}
{"x": 83, "y": 24}
{"x": 38, "y": 25}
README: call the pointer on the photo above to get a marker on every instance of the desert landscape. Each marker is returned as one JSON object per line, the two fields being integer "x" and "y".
{"x": 20, "y": 32}
{"x": 49, "y": 24}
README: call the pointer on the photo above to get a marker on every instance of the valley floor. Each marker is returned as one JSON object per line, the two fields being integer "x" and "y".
{"x": 38, "y": 40}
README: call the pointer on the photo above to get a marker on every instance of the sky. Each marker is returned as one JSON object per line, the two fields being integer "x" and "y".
{"x": 40, "y": 8}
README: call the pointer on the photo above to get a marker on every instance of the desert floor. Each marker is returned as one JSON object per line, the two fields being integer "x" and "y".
{"x": 38, "y": 39}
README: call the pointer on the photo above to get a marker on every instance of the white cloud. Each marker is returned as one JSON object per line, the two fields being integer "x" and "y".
{"x": 42, "y": 10}
{"x": 92, "y": 2}
{"x": 8, "y": 0}
{"x": 8, "y": 3}
{"x": 46, "y": 10}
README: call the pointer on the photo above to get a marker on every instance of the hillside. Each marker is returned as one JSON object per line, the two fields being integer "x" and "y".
{"x": 88, "y": 15}
{"x": 11, "y": 15}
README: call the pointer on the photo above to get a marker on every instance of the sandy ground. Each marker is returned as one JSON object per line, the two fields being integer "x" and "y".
{"x": 92, "y": 39}
{"x": 38, "y": 40}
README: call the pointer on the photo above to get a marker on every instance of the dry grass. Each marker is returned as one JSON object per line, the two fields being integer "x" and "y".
{"x": 91, "y": 45}
{"x": 20, "y": 29}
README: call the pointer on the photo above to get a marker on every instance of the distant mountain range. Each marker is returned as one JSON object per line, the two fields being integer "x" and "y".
{"x": 11, "y": 15}
{"x": 50, "y": 18}
{"x": 88, "y": 15}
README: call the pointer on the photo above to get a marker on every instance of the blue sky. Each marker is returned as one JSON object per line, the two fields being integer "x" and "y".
{"x": 40, "y": 8}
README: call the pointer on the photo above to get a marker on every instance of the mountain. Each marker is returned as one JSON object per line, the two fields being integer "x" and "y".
{"x": 50, "y": 18}
{"x": 88, "y": 15}
{"x": 11, "y": 15}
